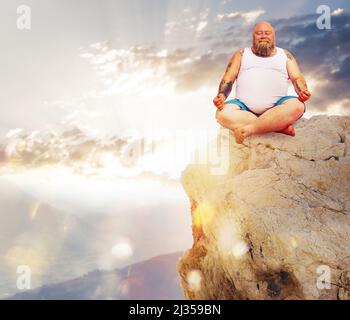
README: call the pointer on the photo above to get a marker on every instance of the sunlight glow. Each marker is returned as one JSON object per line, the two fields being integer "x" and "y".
{"x": 203, "y": 214}
{"x": 122, "y": 250}
{"x": 35, "y": 259}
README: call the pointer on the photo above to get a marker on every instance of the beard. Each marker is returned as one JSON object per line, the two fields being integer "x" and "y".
{"x": 264, "y": 48}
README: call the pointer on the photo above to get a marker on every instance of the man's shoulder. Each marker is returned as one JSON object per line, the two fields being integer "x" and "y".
{"x": 239, "y": 52}
{"x": 288, "y": 54}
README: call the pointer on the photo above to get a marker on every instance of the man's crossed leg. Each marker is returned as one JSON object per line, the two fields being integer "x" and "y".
{"x": 277, "y": 119}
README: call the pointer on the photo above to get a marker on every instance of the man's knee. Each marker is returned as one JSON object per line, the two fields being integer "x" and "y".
{"x": 297, "y": 107}
{"x": 221, "y": 115}
{"x": 225, "y": 114}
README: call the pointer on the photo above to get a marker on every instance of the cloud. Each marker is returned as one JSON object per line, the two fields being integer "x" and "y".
{"x": 249, "y": 16}
{"x": 337, "y": 12}
{"x": 221, "y": 17}
{"x": 224, "y": 2}
{"x": 139, "y": 89}
{"x": 187, "y": 25}
{"x": 323, "y": 56}
{"x": 182, "y": 68}
{"x": 83, "y": 154}
{"x": 201, "y": 25}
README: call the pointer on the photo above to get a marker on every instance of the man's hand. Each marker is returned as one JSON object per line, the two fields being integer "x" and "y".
{"x": 304, "y": 95}
{"x": 219, "y": 101}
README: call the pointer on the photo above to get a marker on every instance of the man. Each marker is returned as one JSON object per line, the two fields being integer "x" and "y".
{"x": 262, "y": 73}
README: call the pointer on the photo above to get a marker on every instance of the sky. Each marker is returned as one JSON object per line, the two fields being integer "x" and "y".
{"x": 117, "y": 66}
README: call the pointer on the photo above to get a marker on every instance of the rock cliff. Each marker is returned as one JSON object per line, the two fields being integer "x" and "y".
{"x": 275, "y": 223}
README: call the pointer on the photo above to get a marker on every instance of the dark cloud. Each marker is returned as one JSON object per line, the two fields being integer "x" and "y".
{"x": 206, "y": 71}
{"x": 323, "y": 55}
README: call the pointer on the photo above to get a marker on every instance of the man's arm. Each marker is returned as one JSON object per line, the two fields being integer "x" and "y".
{"x": 297, "y": 78}
{"x": 231, "y": 73}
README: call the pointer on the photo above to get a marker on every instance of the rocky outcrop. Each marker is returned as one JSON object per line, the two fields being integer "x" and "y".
{"x": 274, "y": 223}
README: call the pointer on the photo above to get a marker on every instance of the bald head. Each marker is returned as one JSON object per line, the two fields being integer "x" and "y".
{"x": 263, "y": 39}
{"x": 263, "y": 25}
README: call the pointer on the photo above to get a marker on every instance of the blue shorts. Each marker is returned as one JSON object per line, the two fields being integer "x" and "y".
{"x": 278, "y": 102}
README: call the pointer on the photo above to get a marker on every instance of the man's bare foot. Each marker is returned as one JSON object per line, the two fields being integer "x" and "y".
{"x": 242, "y": 133}
{"x": 289, "y": 131}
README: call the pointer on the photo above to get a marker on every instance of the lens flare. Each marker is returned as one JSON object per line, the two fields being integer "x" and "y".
{"x": 194, "y": 279}
{"x": 293, "y": 242}
{"x": 122, "y": 251}
{"x": 230, "y": 241}
{"x": 34, "y": 210}
{"x": 203, "y": 214}
{"x": 239, "y": 249}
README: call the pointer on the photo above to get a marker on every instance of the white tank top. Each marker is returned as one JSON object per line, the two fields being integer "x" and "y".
{"x": 261, "y": 81}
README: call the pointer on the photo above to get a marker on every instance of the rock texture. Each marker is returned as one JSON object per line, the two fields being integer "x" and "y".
{"x": 276, "y": 223}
